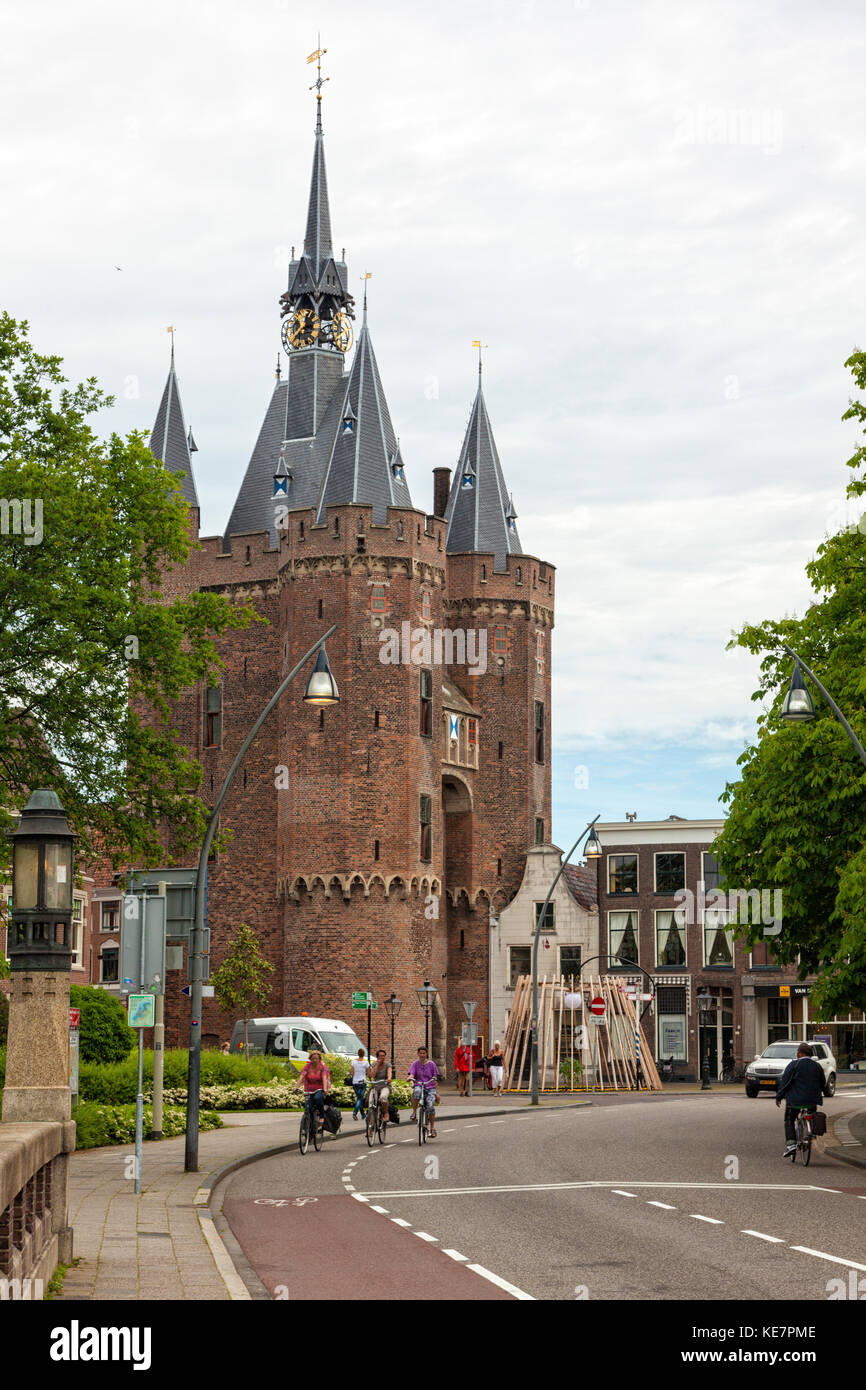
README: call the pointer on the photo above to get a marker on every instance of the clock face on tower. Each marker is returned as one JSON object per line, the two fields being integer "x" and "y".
{"x": 341, "y": 331}
{"x": 300, "y": 330}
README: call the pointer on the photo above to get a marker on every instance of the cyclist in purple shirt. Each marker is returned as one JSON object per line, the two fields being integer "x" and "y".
{"x": 424, "y": 1073}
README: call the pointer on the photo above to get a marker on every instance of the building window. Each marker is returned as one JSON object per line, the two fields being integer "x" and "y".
{"x": 569, "y": 960}
{"x": 623, "y": 937}
{"x": 426, "y": 706}
{"x": 519, "y": 574}
{"x": 710, "y": 870}
{"x": 672, "y": 1023}
{"x": 670, "y": 873}
{"x": 77, "y": 941}
{"x": 548, "y": 917}
{"x": 670, "y": 939}
{"x": 375, "y": 849}
{"x": 500, "y": 640}
{"x": 539, "y": 732}
{"x": 472, "y": 727}
{"x": 375, "y": 719}
{"x": 377, "y": 598}
{"x": 539, "y": 653}
{"x": 718, "y": 939}
{"x": 399, "y": 530}
{"x": 213, "y": 717}
{"x": 336, "y": 526}
{"x": 425, "y": 605}
{"x": 301, "y": 531}
{"x": 426, "y": 828}
{"x": 622, "y": 873}
{"x": 500, "y": 750}
{"x": 519, "y": 963}
{"x": 108, "y": 962}
{"x": 539, "y": 831}
{"x": 483, "y": 574}
{"x": 778, "y": 1020}
{"x": 762, "y": 957}
{"x": 499, "y": 868}
{"x": 109, "y": 917}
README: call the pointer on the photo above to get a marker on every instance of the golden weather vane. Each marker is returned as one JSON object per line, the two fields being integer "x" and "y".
{"x": 476, "y": 342}
{"x": 316, "y": 58}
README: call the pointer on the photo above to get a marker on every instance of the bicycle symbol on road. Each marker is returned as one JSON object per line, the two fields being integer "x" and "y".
{"x": 283, "y": 1201}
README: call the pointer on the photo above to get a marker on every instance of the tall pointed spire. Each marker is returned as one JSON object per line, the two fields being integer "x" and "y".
{"x": 169, "y": 440}
{"x": 365, "y": 464}
{"x": 480, "y": 514}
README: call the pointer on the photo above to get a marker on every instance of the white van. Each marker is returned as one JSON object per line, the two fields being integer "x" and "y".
{"x": 294, "y": 1038}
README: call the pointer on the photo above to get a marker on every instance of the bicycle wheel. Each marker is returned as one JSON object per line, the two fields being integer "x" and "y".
{"x": 304, "y": 1134}
{"x": 382, "y": 1127}
{"x": 318, "y": 1133}
{"x": 422, "y": 1124}
{"x": 371, "y": 1125}
{"x": 806, "y": 1147}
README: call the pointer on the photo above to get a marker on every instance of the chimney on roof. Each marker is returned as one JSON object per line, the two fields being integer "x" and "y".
{"x": 441, "y": 488}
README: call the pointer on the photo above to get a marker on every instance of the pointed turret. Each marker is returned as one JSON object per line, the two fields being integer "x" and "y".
{"x": 365, "y": 463}
{"x": 169, "y": 441}
{"x": 481, "y": 514}
{"x": 317, "y": 281}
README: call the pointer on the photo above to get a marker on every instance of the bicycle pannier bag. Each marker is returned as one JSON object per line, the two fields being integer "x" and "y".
{"x": 818, "y": 1122}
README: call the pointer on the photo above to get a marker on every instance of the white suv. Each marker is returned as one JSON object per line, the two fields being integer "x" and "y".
{"x": 764, "y": 1072}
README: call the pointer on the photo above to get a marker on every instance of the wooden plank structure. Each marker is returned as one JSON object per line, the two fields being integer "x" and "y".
{"x": 574, "y": 1053}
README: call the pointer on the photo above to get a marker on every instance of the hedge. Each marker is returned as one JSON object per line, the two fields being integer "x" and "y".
{"x": 118, "y": 1083}
{"x": 98, "y": 1125}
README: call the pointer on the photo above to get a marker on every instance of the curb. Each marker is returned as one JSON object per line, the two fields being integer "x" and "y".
{"x": 852, "y": 1151}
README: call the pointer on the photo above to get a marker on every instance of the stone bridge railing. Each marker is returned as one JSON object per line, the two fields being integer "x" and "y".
{"x": 34, "y": 1176}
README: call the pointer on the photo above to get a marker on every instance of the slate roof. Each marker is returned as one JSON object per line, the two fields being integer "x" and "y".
{"x": 168, "y": 438}
{"x": 303, "y": 414}
{"x": 478, "y": 516}
{"x": 454, "y": 699}
{"x": 359, "y": 463}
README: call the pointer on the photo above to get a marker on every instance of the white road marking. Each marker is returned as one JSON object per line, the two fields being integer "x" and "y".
{"x": 350, "y": 1165}
{"x": 777, "y": 1240}
{"x": 473, "y": 1126}
{"x": 619, "y": 1193}
{"x": 423, "y": 1235}
{"x": 408, "y": 1141}
{"x": 595, "y": 1184}
{"x": 349, "y": 1187}
{"x": 665, "y": 1205}
{"x": 383, "y": 1210}
{"x": 497, "y": 1122}
{"x": 501, "y": 1283}
{"x": 711, "y": 1220}
{"x": 398, "y": 1221}
{"x": 450, "y": 1130}
{"x": 834, "y": 1259}
{"x": 359, "y": 1197}
{"x": 455, "y": 1254}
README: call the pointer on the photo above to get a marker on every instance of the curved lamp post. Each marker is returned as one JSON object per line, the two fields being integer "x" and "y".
{"x": 798, "y": 707}
{"x": 593, "y": 851}
{"x": 704, "y": 1001}
{"x": 321, "y": 690}
{"x": 393, "y": 1005}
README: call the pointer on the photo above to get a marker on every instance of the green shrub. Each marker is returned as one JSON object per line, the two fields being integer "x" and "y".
{"x": 4, "y": 1016}
{"x": 105, "y": 1034}
{"x": 275, "y": 1096}
{"x": 118, "y": 1083}
{"x": 565, "y": 1072}
{"x": 2, "y": 1067}
{"x": 98, "y": 1125}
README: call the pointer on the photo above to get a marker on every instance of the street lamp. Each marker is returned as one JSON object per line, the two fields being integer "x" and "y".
{"x": 704, "y": 1001}
{"x": 41, "y": 886}
{"x": 592, "y": 851}
{"x": 321, "y": 690}
{"x": 393, "y": 1005}
{"x": 426, "y": 997}
{"x": 797, "y": 705}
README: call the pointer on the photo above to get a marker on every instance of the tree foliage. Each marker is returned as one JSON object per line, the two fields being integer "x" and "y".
{"x": 105, "y": 1035}
{"x": 240, "y": 983}
{"x": 797, "y": 816}
{"x": 89, "y": 639}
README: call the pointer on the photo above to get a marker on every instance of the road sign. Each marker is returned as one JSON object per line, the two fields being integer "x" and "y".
{"x": 149, "y": 912}
{"x": 187, "y": 990}
{"x": 597, "y": 1018}
{"x": 362, "y": 999}
{"x": 468, "y": 1034}
{"x": 470, "y": 1006}
{"x": 597, "y": 1006}
{"x": 141, "y": 1008}
{"x": 75, "y": 1018}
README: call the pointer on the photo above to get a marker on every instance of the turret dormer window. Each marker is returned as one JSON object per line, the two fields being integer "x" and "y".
{"x": 349, "y": 420}
{"x": 468, "y": 479}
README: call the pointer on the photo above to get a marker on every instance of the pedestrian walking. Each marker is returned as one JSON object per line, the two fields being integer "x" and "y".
{"x": 360, "y": 1071}
{"x": 462, "y": 1063}
{"x": 496, "y": 1063}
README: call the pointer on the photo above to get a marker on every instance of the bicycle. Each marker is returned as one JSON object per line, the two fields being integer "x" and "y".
{"x": 731, "y": 1072}
{"x": 312, "y": 1127}
{"x": 376, "y": 1125}
{"x": 425, "y": 1116}
{"x": 803, "y": 1136}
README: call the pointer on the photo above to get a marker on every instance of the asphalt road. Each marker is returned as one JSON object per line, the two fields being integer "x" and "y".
{"x": 630, "y": 1198}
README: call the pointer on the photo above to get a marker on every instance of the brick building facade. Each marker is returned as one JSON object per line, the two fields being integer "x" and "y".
{"x": 372, "y": 839}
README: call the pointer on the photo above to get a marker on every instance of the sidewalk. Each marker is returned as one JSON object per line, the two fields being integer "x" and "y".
{"x": 162, "y": 1244}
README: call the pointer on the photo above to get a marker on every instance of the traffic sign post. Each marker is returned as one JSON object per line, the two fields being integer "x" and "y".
{"x": 469, "y": 1006}
{"x": 74, "y": 1035}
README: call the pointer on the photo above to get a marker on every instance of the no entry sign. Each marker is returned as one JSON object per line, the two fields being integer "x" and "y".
{"x": 597, "y": 1005}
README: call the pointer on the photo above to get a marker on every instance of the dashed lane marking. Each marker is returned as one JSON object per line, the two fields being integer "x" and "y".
{"x": 619, "y": 1193}
{"x": 666, "y": 1206}
{"x": 425, "y": 1235}
{"x": 776, "y": 1240}
{"x": 710, "y": 1220}
{"x": 501, "y": 1283}
{"x": 398, "y": 1221}
{"x": 455, "y": 1254}
{"x": 834, "y": 1259}
{"x": 383, "y": 1210}
{"x": 589, "y": 1185}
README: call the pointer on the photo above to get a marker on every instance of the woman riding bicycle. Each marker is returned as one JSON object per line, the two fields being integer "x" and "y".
{"x": 425, "y": 1081}
{"x": 380, "y": 1075}
{"x": 316, "y": 1082}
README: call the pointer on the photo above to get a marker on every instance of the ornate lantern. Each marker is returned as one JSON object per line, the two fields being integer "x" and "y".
{"x": 41, "y": 920}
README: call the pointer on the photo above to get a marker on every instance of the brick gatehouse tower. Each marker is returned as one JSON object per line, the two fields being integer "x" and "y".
{"x": 372, "y": 840}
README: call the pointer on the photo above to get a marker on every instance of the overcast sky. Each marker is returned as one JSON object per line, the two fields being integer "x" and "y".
{"x": 651, "y": 213}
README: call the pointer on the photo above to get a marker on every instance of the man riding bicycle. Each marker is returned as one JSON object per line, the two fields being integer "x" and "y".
{"x": 380, "y": 1089}
{"x": 425, "y": 1079}
{"x": 802, "y": 1087}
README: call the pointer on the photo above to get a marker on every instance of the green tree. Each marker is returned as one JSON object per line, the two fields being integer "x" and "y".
{"x": 105, "y": 1034}
{"x": 240, "y": 983}
{"x": 797, "y": 815}
{"x": 93, "y": 651}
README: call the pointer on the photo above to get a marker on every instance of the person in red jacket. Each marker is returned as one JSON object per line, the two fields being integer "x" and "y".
{"x": 462, "y": 1063}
